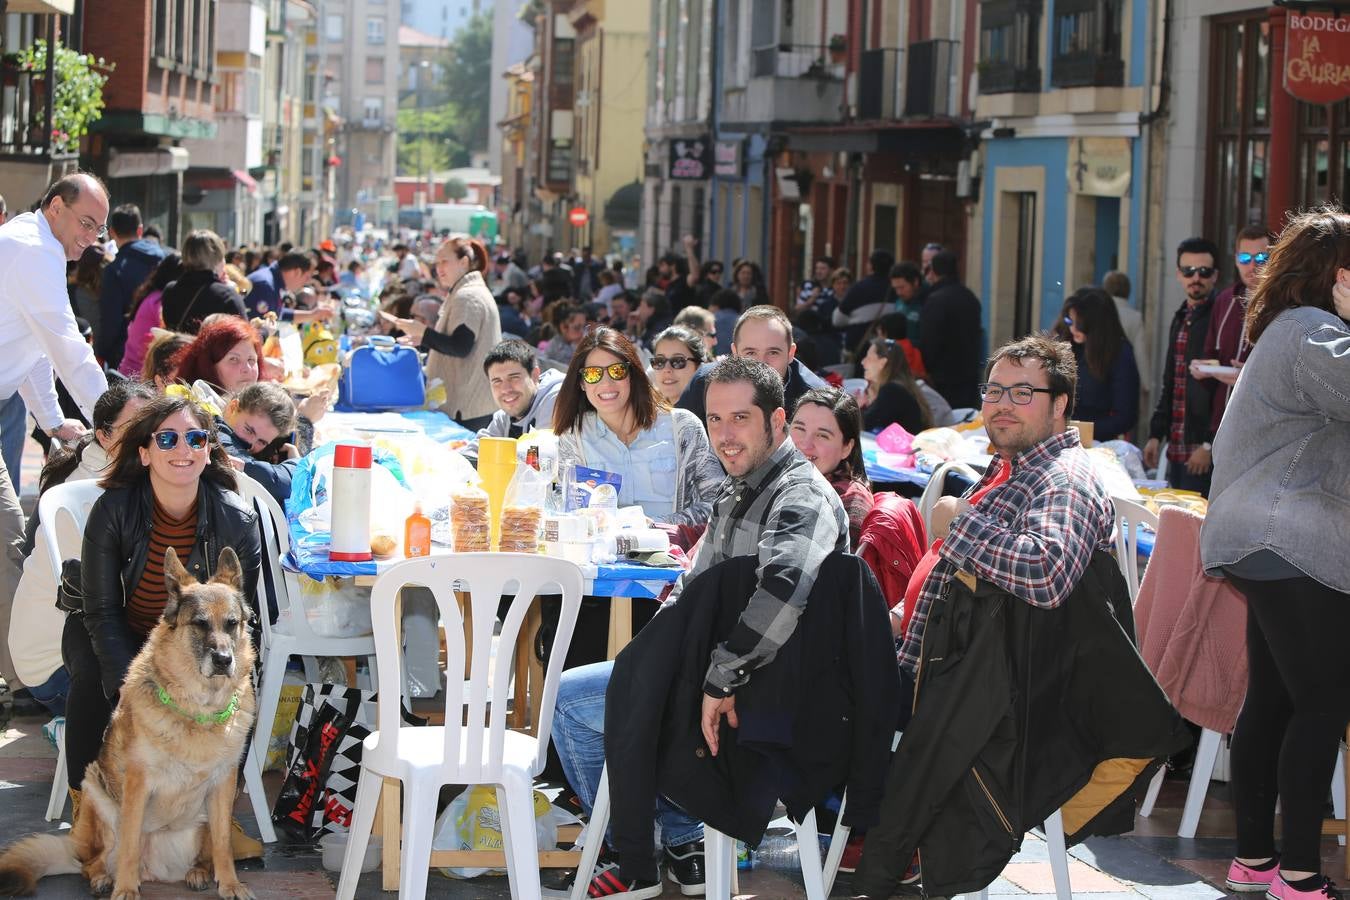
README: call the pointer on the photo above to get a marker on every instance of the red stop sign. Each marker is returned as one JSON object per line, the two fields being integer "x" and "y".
{"x": 578, "y": 216}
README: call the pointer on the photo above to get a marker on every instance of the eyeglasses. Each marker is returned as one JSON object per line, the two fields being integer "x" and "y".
{"x": 1248, "y": 258}
{"x": 676, "y": 362}
{"x": 592, "y": 374}
{"x": 1021, "y": 394}
{"x": 92, "y": 227}
{"x": 716, "y": 270}
{"x": 196, "y": 438}
{"x": 1192, "y": 271}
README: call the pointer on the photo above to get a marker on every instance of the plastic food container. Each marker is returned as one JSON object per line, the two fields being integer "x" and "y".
{"x": 335, "y": 845}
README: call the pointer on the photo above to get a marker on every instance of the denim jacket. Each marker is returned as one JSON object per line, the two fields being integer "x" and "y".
{"x": 1280, "y": 478}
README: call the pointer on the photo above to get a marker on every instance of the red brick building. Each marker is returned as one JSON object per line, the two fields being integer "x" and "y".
{"x": 160, "y": 93}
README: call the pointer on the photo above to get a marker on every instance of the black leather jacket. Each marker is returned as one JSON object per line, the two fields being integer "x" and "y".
{"x": 116, "y": 542}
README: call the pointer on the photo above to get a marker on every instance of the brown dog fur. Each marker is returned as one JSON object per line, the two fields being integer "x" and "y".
{"x": 156, "y": 803}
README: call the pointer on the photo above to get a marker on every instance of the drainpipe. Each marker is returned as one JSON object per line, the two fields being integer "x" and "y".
{"x": 1146, "y": 122}
{"x": 715, "y": 121}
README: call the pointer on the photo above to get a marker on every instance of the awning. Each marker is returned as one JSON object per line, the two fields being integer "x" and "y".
{"x": 248, "y": 181}
{"x": 42, "y": 7}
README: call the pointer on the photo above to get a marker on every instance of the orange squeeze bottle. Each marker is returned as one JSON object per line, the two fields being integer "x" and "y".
{"x": 417, "y": 534}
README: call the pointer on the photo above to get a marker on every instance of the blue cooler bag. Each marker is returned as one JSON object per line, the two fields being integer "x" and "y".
{"x": 382, "y": 375}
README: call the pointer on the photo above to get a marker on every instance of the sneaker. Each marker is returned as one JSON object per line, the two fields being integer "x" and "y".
{"x": 912, "y": 874}
{"x": 852, "y": 855}
{"x": 685, "y": 867}
{"x": 1245, "y": 879}
{"x": 1322, "y": 889}
{"x": 606, "y": 882}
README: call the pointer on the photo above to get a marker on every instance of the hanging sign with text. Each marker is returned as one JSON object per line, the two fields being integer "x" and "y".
{"x": 690, "y": 159}
{"x": 1317, "y": 57}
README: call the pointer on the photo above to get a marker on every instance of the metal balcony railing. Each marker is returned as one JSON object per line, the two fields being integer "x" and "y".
{"x": 23, "y": 111}
{"x": 1087, "y": 70}
{"x": 793, "y": 61}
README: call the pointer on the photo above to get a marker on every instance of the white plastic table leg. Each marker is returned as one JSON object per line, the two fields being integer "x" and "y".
{"x": 1201, "y": 771}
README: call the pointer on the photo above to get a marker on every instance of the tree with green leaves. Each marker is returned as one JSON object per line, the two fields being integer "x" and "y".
{"x": 469, "y": 81}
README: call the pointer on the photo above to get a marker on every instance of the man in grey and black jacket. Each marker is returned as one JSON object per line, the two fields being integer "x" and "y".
{"x": 524, "y": 395}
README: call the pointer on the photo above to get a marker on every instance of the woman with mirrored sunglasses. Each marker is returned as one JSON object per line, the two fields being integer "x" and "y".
{"x": 168, "y": 484}
{"x": 677, "y": 354}
{"x": 610, "y": 416}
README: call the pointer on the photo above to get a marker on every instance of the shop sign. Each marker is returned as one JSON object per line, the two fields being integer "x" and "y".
{"x": 727, "y": 159}
{"x": 689, "y": 159}
{"x": 1317, "y": 57}
{"x": 1100, "y": 167}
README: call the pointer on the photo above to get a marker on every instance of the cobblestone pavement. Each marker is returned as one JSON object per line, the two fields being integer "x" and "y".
{"x": 1151, "y": 863}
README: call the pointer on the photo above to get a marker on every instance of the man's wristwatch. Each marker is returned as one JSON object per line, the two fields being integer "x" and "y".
{"x": 1207, "y": 446}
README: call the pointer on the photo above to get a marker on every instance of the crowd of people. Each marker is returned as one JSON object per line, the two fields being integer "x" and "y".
{"x": 713, "y": 401}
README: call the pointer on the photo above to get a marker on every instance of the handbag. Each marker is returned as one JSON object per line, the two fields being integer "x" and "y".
{"x": 70, "y": 592}
{"x": 382, "y": 375}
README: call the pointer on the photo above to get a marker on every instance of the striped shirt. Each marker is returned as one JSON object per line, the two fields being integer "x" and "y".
{"x": 788, "y": 515}
{"x": 1033, "y": 536}
{"x": 147, "y": 600}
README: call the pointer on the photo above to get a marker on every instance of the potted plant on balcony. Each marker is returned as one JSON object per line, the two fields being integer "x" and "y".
{"x": 78, "y": 98}
{"x": 838, "y": 48}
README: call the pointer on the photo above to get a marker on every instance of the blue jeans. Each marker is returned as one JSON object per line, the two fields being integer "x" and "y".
{"x": 52, "y": 692}
{"x": 579, "y": 734}
{"x": 13, "y": 433}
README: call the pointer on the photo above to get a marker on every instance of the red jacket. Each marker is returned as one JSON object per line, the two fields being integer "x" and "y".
{"x": 892, "y": 543}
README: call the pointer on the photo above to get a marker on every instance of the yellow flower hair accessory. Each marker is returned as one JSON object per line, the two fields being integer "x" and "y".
{"x": 187, "y": 393}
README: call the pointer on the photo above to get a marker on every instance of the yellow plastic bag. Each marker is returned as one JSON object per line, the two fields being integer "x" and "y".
{"x": 472, "y": 822}
{"x": 280, "y": 736}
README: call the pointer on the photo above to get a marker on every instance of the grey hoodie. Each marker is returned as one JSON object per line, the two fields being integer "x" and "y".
{"x": 540, "y": 413}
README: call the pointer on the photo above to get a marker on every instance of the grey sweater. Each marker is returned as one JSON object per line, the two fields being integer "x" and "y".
{"x": 1280, "y": 479}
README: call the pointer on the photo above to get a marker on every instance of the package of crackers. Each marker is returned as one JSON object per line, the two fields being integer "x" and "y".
{"x": 470, "y": 521}
{"x": 520, "y": 529}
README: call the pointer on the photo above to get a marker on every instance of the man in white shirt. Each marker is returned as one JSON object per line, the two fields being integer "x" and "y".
{"x": 39, "y": 339}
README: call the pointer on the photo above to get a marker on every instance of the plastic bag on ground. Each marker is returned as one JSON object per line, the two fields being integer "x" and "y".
{"x": 473, "y": 822}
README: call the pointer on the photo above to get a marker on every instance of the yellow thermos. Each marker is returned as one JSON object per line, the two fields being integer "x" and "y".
{"x": 496, "y": 466}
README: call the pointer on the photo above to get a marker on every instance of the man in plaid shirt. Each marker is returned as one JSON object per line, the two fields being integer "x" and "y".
{"x": 775, "y": 506}
{"x": 1033, "y": 522}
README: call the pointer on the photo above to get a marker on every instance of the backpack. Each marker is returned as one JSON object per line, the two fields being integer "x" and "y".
{"x": 892, "y": 541}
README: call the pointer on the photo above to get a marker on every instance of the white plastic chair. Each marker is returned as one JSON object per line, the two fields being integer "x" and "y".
{"x": 719, "y": 852}
{"x": 63, "y": 511}
{"x": 933, "y": 492}
{"x": 1130, "y": 514}
{"x": 291, "y": 636}
{"x": 483, "y": 751}
{"x": 1059, "y": 857}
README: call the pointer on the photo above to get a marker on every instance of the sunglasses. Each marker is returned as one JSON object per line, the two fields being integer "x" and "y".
{"x": 1192, "y": 271}
{"x": 676, "y": 362}
{"x": 592, "y": 374}
{"x": 196, "y": 438}
{"x": 1258, "y": 258}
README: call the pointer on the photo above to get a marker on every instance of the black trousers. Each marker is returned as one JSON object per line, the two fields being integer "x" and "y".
{"x": 87, "y": 709}
{"x": 1295, "y": 714}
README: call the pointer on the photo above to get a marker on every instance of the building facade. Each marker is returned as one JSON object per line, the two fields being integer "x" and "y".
{"x": 512, "y": 42}
{"x": 161, "y": 93}
{"x": 358, "y": 40}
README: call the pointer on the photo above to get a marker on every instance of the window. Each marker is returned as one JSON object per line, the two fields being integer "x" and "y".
{"x": 182, "y": 31}
{"x": 1239, "y": 129}
{"x": 374, "y": 70}
{"x": 1010, "y": 46}
{"x": 375, "y": 30}
{"x": 163, "y": 28}
{"x": 1087, "y": 44}
{"x": 563, "y": 61}
{"x": 372, "y": 112}
{"x": 1323, "y": 153}
{"x": 333, "y": 27}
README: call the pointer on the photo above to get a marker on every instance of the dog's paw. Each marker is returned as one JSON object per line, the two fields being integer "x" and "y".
{"x": 127, "y": 893}
{"x": 236, "y": 891}
{"x": 198, "y": 878}
{"x": 101, "y": 885}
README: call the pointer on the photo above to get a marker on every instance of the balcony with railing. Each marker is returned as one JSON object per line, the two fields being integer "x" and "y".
{"x": 881, "y": 84}
{"x": 789, "y": 83}
{"x": 1087, "y": 44}
{"x": 1009, "y": 46}
{"x": 23, "y": 112}
{"x": 923, "y": 81}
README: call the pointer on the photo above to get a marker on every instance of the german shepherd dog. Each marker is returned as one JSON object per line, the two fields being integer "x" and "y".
{"x": 156, "y": 803}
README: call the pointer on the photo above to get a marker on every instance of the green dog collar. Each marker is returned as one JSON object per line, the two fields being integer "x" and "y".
{"x": 216, "y": 718}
